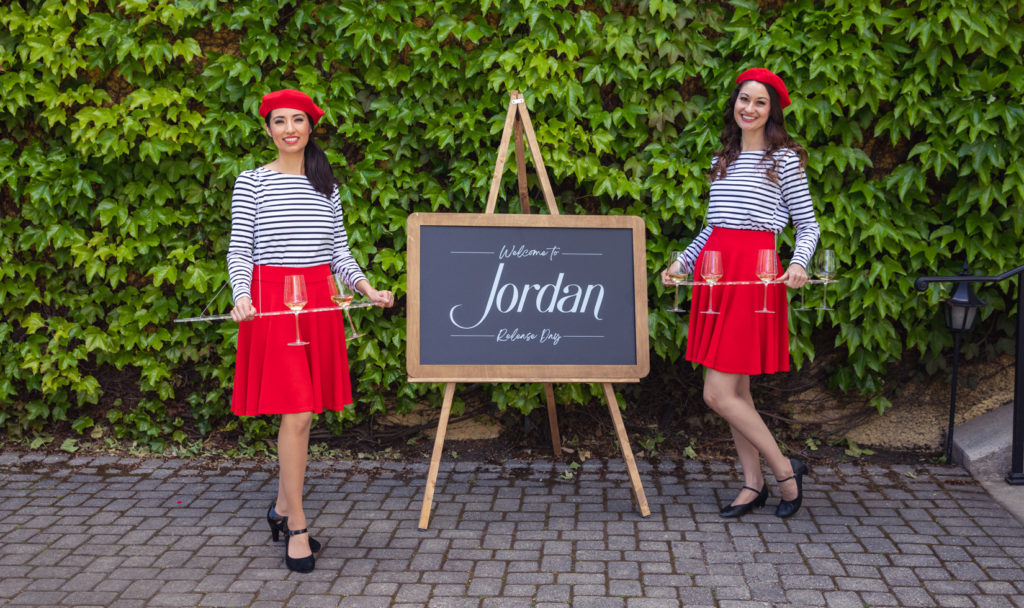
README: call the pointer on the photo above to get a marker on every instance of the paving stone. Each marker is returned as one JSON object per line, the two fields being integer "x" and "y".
{"x": 843, "y": 599}
{"x": 955, "y": 601}
{"x": 696, "y": 596}
{"x": 365, "y": 601}
{"x": 912, "y": 596}
{"x": 505, "y": 602}
{"x": 38, "y": 598}
{"x": 646, "y": 602}
{"x": 998, "y": 601}
{"x": 226, "y": 600}
{"x": 597, "y": 602}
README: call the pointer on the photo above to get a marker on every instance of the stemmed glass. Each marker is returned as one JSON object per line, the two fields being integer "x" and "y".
{"x": 826, "y": 271}
{"x": 342, "y": 294}
{"x": 711, "y": 270}
{"x": 677, "y": 278}
{"x": 295, "y": 298}
{"x": 767, "y": 269}
{"x": 811, "y": 269}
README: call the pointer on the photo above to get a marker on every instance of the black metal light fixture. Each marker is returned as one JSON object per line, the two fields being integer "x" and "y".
{"x": 962, "y": 307}
{"x": 961, "y": 312}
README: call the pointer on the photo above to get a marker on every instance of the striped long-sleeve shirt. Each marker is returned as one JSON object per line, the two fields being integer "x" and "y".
{"x": 745, "y": 199}
{"x": 294, "y": 226}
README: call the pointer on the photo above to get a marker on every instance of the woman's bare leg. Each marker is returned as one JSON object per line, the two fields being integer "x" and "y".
{"x": 729, "y": 396}
{"x": 749, "y": 457}
{"x": 292, "y": 450}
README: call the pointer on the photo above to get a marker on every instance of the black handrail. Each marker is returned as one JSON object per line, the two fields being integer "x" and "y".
{"x": 922, "y": 282}
{"x": 1016, "y": 475}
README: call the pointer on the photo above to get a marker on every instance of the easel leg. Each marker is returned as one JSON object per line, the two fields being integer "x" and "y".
{"x": 524, "y": 199}
{"x": 538, "y": 162}
{"x": 556, "y": 440}
{"x": 435, "y": 459}
{"x": 499, "y": 164}
{"x": 627, "y": 452}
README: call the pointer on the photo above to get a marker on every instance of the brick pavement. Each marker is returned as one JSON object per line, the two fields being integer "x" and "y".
{"x": 122, "y": 532}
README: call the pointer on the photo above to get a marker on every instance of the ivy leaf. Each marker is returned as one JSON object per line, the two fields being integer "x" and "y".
{"x": 33, "y": 323}
{"x": 163, "y": 273}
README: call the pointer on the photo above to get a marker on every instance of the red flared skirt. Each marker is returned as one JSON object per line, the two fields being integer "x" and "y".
{"x": 739, "y": 340}
{"x": 272, "y": 377}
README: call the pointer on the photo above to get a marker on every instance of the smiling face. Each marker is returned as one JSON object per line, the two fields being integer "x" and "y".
{"x": 290, "y": 129}
{"x": 752, "y": 107}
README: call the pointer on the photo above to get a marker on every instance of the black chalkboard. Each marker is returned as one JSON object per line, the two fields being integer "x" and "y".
{"x": 526, "y": 298}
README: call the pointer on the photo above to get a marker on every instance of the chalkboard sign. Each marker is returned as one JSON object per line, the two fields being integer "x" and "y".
{"x": 529, "y": 298}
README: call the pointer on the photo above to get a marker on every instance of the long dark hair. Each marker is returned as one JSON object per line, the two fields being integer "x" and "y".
{"x": 775, "y": 135}
{"x": 314, "y": 162}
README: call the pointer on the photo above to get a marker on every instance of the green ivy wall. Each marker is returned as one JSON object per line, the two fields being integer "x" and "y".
{"x": 124, "y": 123}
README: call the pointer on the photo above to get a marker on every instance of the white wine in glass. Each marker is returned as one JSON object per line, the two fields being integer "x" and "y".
{"x": 295, "y": 299}
{"x": 826, "y": 271}
{"x": 341, "y": 294}
{"x": 711, "y": 270}
{"x": 767, "y": 270}
{"x": 677, "y": 278}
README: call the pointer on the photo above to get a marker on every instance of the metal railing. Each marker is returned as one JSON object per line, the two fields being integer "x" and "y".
{"x": 1016, "y": 475}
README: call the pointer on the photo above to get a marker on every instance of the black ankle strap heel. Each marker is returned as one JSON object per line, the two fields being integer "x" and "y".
{"x": 788, "y": 508}
{"x": 731, "y": 510}
{"x": 298, "y": 564}
{"x": 279, "y": 523}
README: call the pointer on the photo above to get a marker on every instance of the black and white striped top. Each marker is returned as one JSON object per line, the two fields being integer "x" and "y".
{"x": 298, "y": 226}
{"x": 747, "y": 200}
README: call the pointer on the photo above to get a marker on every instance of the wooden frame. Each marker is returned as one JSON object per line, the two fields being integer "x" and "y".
{"x": 527, "y": 373}
{"x": 517, "y": 122}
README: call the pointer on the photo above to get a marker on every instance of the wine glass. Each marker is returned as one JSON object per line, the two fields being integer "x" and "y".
{"x": 677, "y": 278}
{"x": 811, "y": 269}
{"x": 711, "y": 270}
{"x": 826, "y": 271}
{"x": 342, "y": 295}
{"x": 767, "y": 269}
{"x": 295, "y": 298}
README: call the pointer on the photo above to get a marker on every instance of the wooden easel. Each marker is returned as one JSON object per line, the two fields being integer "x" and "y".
{"x": 517, "y": 122}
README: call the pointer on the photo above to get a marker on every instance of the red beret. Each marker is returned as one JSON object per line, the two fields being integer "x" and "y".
{"x": 769, "y": 78}
{"x": 290, "y": 98}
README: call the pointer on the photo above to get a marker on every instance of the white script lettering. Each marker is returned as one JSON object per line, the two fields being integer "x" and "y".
{"x": 546, "y": 335}
{"x": 521, "y": 251}
{"x": 571, "y": 298}
{"x": 515, "y": 335}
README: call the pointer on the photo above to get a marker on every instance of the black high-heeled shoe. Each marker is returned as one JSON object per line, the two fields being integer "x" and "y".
{"x": 731, "y": 510}
{"x": 279, "y": 524}
{"x": 298, "y": 564}
{"x": 788, "y": 508}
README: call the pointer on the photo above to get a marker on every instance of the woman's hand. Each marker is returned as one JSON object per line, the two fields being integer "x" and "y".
{"x": 384, "y": 299}
{"x": 795, "y": 276}
{"x": 674, "y": 268}
{"x": 243, "y": 310}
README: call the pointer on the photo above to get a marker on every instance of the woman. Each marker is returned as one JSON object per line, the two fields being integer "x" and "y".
{"x": 286, "y": 219}
{"x": 757, "y": 184}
